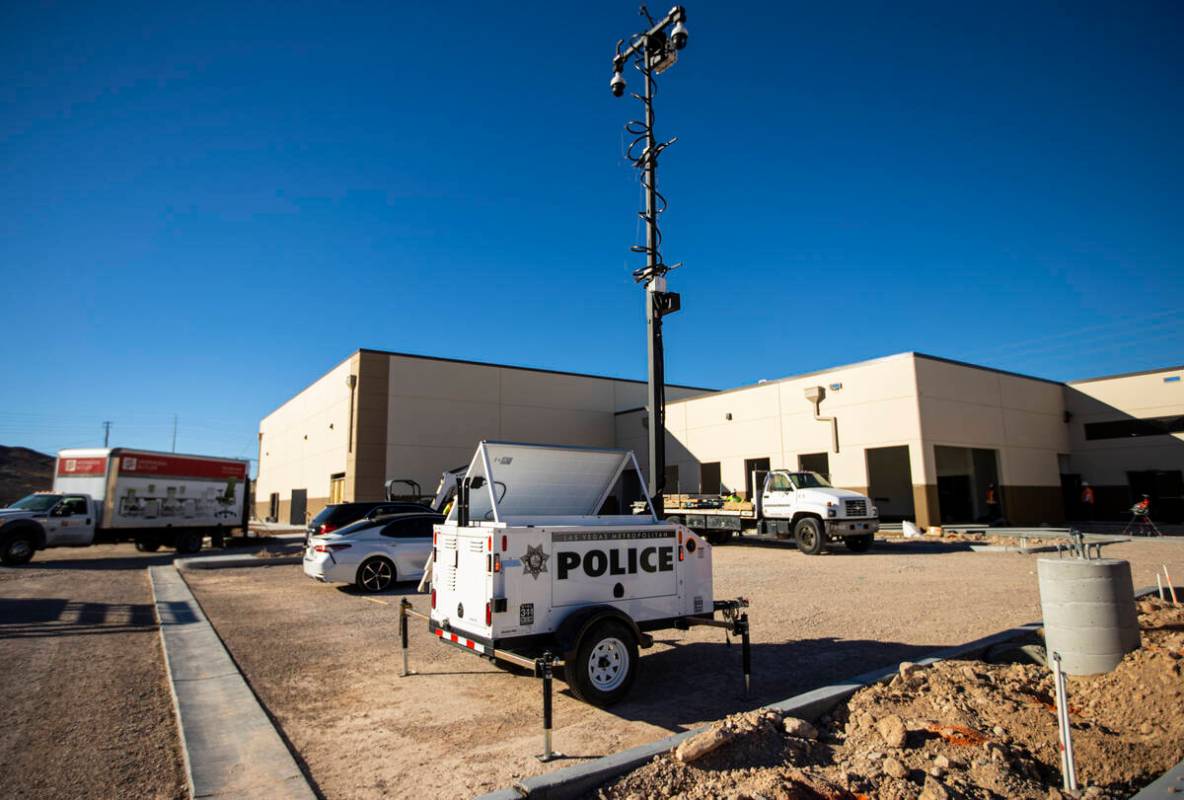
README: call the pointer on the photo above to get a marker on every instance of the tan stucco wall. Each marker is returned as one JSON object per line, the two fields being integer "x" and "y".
{"x": 1105, "y": 462}
{"x": 305, "y": 440}
{"x": 876, "y": 407}
{"x": 439, "y": 411}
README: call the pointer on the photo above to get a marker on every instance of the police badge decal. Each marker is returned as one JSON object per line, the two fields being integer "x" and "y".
{"x": 534, "y": 562}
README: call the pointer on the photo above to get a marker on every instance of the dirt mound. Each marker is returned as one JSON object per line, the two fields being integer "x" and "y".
{"x": 23, "y": 471}
{"x": 956, "y": 729}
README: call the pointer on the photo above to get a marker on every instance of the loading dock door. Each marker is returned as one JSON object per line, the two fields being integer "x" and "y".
{"x": 890, "y": 482}
{"x": 815, "y": 462}
{"x": 751, "y": 465}
{"x": 299, "y": 507}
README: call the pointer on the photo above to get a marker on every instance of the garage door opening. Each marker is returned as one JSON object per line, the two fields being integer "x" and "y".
{"x": 890, "y": 482}
{"x": 815, "y": 462}
{"x": 965, "y": 475}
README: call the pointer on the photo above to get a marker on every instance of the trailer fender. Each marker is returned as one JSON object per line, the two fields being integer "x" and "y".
{"x": 579, "y": 622}
{"x": 26, "y": 526}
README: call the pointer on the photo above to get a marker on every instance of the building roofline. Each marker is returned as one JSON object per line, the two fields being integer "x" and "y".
{"x": 525, "y": 369}
{"x": 309, "y": 385}
{"x": 987, "y": 369}
{"x": 864, "y": 363}
{"x": 1179, "y": 368}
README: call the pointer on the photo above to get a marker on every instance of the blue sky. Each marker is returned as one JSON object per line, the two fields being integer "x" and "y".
{"x": 203, "y": 207}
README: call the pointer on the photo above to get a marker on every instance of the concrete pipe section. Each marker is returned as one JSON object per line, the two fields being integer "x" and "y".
{"x": 1089, "y": 612}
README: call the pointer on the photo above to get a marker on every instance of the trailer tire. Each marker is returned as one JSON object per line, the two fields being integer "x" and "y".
{"x": 147, "y": 545}
{"x": 188, "y": 542}
{"x": 860, "y": 544}
{"x": 605, "y": 664}
{"x": 17, "y": 548}
{"x": 718, "y": 537}
{"x": 376, "y": 574}
{"x": 809, "y": 536}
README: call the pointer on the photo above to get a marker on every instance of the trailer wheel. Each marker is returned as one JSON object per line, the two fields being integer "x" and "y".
{"x": 188, "y": 542}
{"x": 859, "y": 544}
{"x": 16, "y": 549}
{"x": 147, "y": 545}
{"x": 808, "y": 535}
{"x": 375, "y": 575}
{"x": 605, "y": 664}
{"x": 718, "y": 537}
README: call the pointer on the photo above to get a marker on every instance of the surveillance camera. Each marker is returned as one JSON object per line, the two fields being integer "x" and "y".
{"x": 678, "y": 37}
{"x": 617, "y": 84}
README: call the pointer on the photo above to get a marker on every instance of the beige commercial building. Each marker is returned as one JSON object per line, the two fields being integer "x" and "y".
{"x": 379, "y": 415}
{"x": 929, "y": 439}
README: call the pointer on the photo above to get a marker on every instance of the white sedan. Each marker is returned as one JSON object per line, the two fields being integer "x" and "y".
{"x": 374, "y": 553}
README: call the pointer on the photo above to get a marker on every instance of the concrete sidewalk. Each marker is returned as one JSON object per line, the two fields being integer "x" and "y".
{"x": 231, "y": 748}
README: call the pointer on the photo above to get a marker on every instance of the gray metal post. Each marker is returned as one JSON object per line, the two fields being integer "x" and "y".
{"x": 543, "y": 668}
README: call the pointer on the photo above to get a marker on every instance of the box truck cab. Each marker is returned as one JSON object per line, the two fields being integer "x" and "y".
{"x": 537, "y": 555}
{"x": 114, "y": 494}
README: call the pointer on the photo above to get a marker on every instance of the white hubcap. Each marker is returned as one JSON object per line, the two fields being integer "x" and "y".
{"x": 608, "y": 664}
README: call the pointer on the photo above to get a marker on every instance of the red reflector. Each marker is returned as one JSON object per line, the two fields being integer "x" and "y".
{"x": 435, "y": 537}
{"x": 488, "y": 614}
{"x": 505, "y": 542}
{"x": 681, "y": 556}
{"x": 433, "y": 598}
{"x": 489, "y": 543}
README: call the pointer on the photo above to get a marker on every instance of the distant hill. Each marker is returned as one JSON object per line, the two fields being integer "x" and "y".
{"x": 23, "y": 471}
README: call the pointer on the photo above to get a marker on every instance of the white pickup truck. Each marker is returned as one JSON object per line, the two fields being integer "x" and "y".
{"x": 151, "y": 498}
{"x": 799, "y": 504}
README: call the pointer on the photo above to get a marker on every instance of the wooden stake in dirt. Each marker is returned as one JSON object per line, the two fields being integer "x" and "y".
{"x": 1171, "y": 586}
{"x": 1159, "y": 585}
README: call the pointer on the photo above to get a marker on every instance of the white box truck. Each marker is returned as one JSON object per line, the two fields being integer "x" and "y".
{"x": 113, "y": 494}
{"x": 537, "y": 555}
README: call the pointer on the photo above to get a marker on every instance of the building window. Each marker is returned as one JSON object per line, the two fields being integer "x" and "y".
{"x": 337, "y": 488}
{"x": 1126, "y": 428}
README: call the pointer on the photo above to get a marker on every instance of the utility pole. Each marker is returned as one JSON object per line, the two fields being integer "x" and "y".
{"x": 653, "y": 51}
{"x": 174, "y": 433}
{"x": 106, "y": 432}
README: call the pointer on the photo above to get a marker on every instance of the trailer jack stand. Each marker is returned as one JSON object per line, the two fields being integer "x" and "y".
{"x": 734, "y": 623}
{"x": 543, "y": 668}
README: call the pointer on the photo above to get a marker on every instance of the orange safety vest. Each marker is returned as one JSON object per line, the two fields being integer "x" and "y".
{"x": 1087, "y": 495}
{"x": 990, "y": 497}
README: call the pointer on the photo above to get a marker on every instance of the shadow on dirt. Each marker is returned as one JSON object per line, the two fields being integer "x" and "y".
{"x": 702, "y": 681}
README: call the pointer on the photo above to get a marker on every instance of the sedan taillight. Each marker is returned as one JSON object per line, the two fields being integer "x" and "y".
{"x": 328, "y": 527}
{"x": 326, "y": 548}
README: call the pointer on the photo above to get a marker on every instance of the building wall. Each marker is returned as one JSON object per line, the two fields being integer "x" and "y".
{"x": 1105, "y": 463}
{"x": 304, "y": 441}
{"x": 1021, "y": 419}
{"x": 876, "y": 406}
{"x": 439, "y": 410}
{"x": 415, "y": 417}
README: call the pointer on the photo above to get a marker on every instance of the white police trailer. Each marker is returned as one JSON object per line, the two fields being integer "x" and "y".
{"x": 538, "y": 562}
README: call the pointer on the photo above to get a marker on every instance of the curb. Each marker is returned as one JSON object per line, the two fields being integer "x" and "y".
{"x": 577, "y": 781}
{"x": 228, "y": 744}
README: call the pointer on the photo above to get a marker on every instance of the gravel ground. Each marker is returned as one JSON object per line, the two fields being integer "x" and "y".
{"x": 87, "y": 711}
{"x": 325, "y": 660}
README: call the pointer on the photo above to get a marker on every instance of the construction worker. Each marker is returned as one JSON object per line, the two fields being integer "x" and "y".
{"x": 1143, "y": 507}
{"x": 733, "y": 498}
{"x": 992, "y": 503}
{"x": 1087, "y": 499}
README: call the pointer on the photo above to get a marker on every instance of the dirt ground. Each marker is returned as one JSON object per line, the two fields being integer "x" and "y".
{"x": 325, "y": 660}
{"x": 957, "y": 729}
{"x": 86, "y": 710}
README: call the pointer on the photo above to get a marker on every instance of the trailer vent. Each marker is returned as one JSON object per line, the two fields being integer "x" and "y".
{"x": 856, "y": 508}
